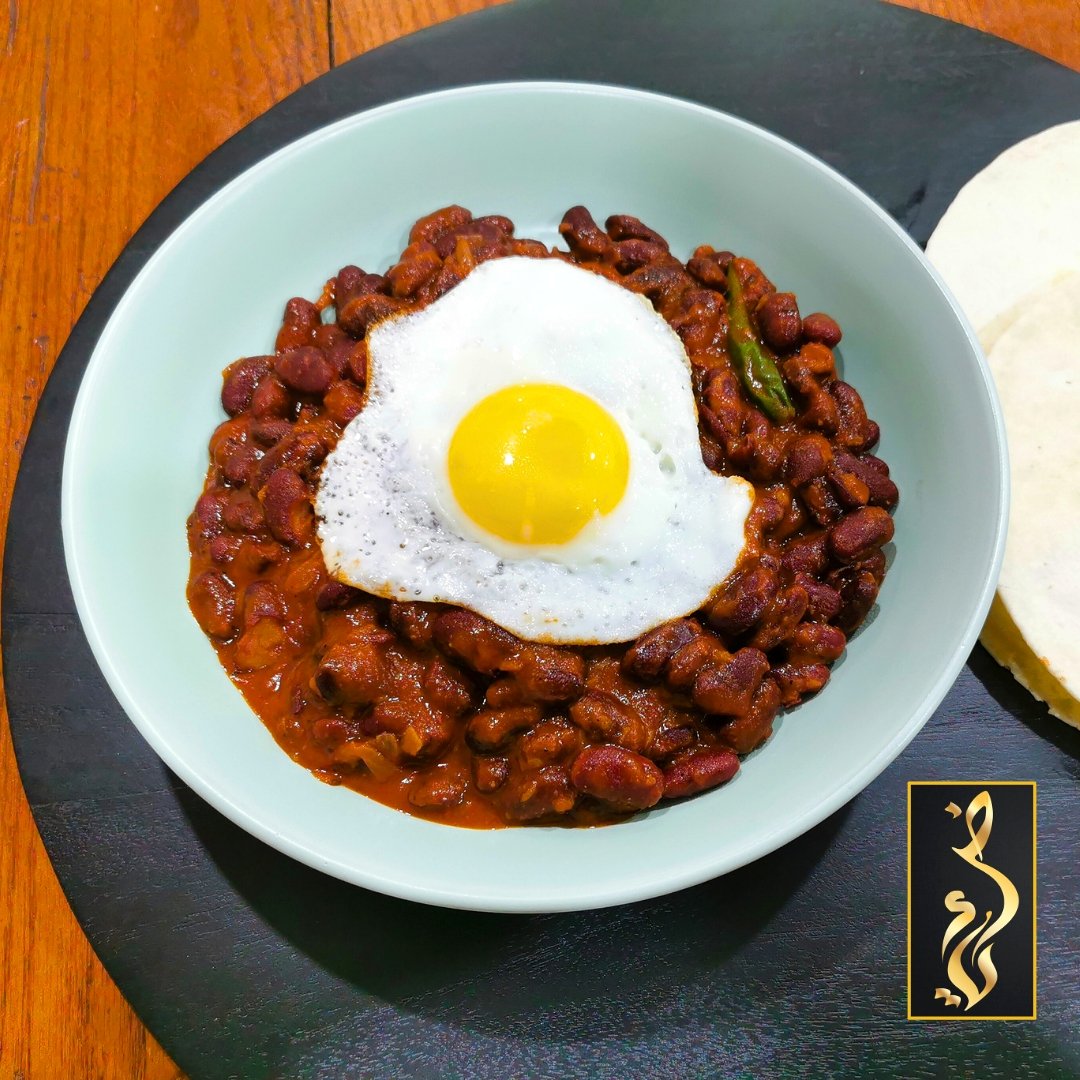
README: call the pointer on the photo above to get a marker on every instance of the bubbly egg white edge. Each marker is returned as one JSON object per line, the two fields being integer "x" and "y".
{"x": 615, "y": 542}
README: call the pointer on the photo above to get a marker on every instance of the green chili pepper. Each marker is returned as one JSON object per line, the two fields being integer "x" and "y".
{"x": 756, "y": 368}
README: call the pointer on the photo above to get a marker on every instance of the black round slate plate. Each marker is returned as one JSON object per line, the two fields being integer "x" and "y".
{"x": 244, "y": 963}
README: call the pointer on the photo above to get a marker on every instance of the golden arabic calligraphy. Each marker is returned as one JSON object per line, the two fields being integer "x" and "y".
{"x": 978, "y": 941}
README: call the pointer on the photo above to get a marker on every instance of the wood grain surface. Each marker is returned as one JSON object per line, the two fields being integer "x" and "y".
{"x": 103, "y": 108}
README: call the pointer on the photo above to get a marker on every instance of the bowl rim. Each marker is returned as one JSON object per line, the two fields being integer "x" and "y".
{"x": 644, "y": 886}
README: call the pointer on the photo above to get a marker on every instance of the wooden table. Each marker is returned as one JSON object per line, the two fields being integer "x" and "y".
{"x": 103, "y": 108}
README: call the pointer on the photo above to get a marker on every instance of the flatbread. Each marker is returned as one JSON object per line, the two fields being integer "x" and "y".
{"x": 1034, "y": 626}
{"x": 1013, "y": 230}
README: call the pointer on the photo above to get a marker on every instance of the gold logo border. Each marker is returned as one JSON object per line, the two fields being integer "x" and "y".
{"x": 1034, "y": 891}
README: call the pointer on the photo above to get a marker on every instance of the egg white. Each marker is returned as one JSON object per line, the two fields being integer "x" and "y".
{"x": 390, "y": 525}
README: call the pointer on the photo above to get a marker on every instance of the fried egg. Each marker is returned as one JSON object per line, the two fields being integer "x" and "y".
{"x": 529, "y": 450}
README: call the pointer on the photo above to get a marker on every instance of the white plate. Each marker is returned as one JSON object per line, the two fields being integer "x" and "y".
{"x": 136, "y": 457}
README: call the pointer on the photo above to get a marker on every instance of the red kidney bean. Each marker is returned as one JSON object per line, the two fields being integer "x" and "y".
{"x": 807, "y": 457}
{"x": 770, "y": 508}
{"x": 299, "y": 324}
{"x": 431, "y": 227}
{"x": 340, "y": 353}
{"x": 420, "y": 731}
{"x": 532, "y": 249}
{"x": 701, "y": 322}
{"x": 807, "y": 554}
{"x": 213, "y": 603}
{"x": 820, "y": 500}
{"x": 260, "y": 646}
{"x": 649, "y": 655}
{"x": 822, "y": 329}
{"x": 240, "y": 465}
{"x": 622, "y": 779}
{"x": 474, "y": 640}
{"x": 419, "y": 263}
{"x": 704, "y": 651}
{"x": 782, "y": 616}
{"x": 540, "y": 793}
{"x": 504, "y": 692}
{"x": 491, "y": 729}
{"x": 343, "y": 402}
{"x": 710, "y": 267}
{"x": 625, "y": 227}
{"x": 264, "y": 600}
{"x": 662, "y": 282}
{"x": 354, "y": 671}
{"x": 271, "y": 399}
{"x": 413, "y": 621}
{"x": 873, "y": 435}
{"x": 328, "y": 336}
{"x": 815, "y": 643}
{"x": 452, "y": 273}
{"x": 365, "y": 311}
{"x": 552, "y": 741}
{"x": 764, "y": 453}
{"x": 583, "y": 236}
{"x": 438, "y": 789}
{"x": 712, "y": 453}
{"x": 302, "y": 452}
{"x": 243, "y": 513}
{"x": 357, "y": 365}
{"x": 287, "y": 505}
{"x": 670, "y": 739}
{"x": 874, "y": 473}
{"x": 698, "y": 771}
{"x": 244, "y": 555}
{"x": 743, "y": 600}
{"x": 728, "y": 690}
{"x": 794, "y": 521}
{"x": 335, "y": 595}
{"x": 265, "y": 638}
{"x": 544, "y": 673}
{"x": 754, "y": 282}
{"x": 490, "y": 773}
{"x": 209, "y": 515}
{"x": 819, "y": 411}
{"x": 351, "y": 281}
{"x": 859, "y": 532}
{"x": 812, "y": 362}
{"x": 447, "y": 688}
{"x": 796, "y": 683}
{"x": 752, "y": 728}
{"x": 305, "y": 370}
{"x": 779, "y": 321}
{"x": 825, "y": 601}
{"x": 479, "y": 232}
{"x": 632, "y": 254}
{"x": 848, "y": 487}
{"x": 874, "y": 563}
{"x": 858, "y": 590}
{"x": 853, "y": 430}
{"x": 240, "y": 380}
{"x": 499, "y": 222}
{"x": 603, "y": 716}
{"x": 227, "y": 436}
{"x": 269, "y": 432}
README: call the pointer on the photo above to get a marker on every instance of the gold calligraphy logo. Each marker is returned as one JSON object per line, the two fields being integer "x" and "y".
{"x": 971, "y": 952}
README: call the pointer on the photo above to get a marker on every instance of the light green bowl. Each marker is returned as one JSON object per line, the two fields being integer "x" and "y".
{"x": 136, "y": 456}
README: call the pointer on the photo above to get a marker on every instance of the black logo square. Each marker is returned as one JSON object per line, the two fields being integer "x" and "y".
{"x": 971, "y": 900}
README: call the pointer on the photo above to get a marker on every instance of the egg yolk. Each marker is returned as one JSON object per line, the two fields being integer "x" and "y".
{"x": 535, "y": 463}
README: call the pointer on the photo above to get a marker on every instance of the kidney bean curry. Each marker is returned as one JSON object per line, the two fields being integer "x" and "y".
{"x": 436, "y": 711}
